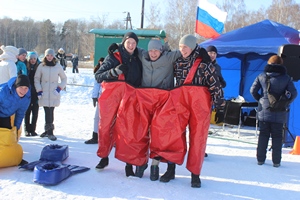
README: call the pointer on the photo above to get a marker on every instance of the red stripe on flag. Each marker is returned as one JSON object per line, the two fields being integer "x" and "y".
{"x": 205, "y": 30}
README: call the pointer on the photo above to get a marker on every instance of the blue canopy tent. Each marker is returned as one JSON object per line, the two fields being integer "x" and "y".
{"x": 243, "y": 54}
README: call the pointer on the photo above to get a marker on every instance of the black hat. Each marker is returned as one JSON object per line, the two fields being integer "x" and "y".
{"x": 22, "y": 80}
{"x": 211, "y": 48}
{"x": 130, "y": 35}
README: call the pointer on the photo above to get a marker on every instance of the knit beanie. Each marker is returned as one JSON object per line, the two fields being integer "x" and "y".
{"x": 155, "y": 45}
{"x": 211, "y": 48}
{"x": 49, "y": 52}
{"x": 130, "y": 35}
{"x": 275, "y": 60}
{"x": 22, "y": 80}
{"x": 189, "y": 40}
{"x": 22, "y": 51}
{"x": 10, "y": 49}
{"x": 32, "y": 54}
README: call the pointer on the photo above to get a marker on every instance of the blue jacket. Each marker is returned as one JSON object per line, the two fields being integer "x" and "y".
{"x": 280, "y": 82}
{"x": 21, "y": 67}
{"x": 11, "y": 103}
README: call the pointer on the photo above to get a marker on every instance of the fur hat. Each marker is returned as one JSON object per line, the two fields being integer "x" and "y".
{"x": 49, "y": 52}
{"x": 211, "y": 48}
{"x": 154, "y": 44}
{"x": 22, "y": 80}
{"x": 61, "y": 50}
{"x": 275, "y": 60}
{"x": 130, "y": 35}
{"x": 189, "y": 40}
{"x": 32, "y": 54}
{"x": 10, "y": 49}
{"x": 22, "y": 51}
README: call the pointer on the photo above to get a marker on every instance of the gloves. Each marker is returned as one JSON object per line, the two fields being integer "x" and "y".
{"x": 95, "y": 100}
{"x": 120, "y": 69}
{"x": 112, "y": 48}
{"x": 40, "y": 94}
{"x": 57, "y": 91}
{"x": 204, "y": 55}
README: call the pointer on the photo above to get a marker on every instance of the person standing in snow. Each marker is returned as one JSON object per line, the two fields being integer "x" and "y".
{"x": 48, "y": 88}
{"x": 75, "y": 64}
{"x": 33, "y": 109}
{"x": 8, "y": 68}
{"x": 97, "y": 90}
{"x": 271, "y": 123}
{"x": 61, "y": 56}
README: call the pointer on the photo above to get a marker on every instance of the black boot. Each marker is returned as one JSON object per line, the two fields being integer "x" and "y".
{"x": 47, "y": 128}
{"x": 196, "y": 182}
{"x": 27, "y": 130}
{"x": 129, "y": 170}
{"x": 103, "y": 163}
{"x": 32, "y": 131}
{"x": 139, "y": 170}
{"x": 94, "y": 139}
{"x": 154, "y": 172}
{"x": 169, "y": 174}
{"x": 50, "y": 133}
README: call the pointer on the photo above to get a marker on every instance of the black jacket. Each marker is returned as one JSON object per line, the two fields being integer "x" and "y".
{"x": 280, "y": 82}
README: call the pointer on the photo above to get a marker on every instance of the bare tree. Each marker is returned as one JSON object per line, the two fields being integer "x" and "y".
{"x": 153, "y": 16}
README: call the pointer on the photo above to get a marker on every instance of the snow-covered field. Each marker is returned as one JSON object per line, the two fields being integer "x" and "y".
{"x": 229, "y": 172}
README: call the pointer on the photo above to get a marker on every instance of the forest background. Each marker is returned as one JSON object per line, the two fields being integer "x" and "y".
{"x": 179, "y": 19}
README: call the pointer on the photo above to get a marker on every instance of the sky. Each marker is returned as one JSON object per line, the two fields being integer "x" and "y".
{"x": 62, "y": 10}
{"x": 229, "y": 172}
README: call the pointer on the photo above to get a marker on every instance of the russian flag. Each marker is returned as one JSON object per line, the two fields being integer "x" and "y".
{"x": 210, "y": 19}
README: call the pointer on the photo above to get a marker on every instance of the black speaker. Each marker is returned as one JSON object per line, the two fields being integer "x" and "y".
{"x": 290, "y": 53}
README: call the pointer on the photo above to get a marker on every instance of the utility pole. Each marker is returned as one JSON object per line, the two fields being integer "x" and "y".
{"x": 128, "y": 20}
{"x": 142, "y": 17}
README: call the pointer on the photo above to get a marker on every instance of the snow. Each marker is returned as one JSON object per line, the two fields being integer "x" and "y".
{"x": 229, "y": 172}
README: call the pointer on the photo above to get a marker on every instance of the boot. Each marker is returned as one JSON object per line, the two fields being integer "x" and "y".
{"x": 195, "y": 183}
{"x": 50, "y": 133}
{"x": 27, "y": 130}
{"x": 129, "y": 170}
{"x": 139, "y": 170}
{"x": 33, "y": 133}
{"x": 154, "y": 172}
{"x": 47, "y": 128}
{"x": 103, "y": 163}
{"x": 169, "y": 174}
{"x": 94, "y": 139}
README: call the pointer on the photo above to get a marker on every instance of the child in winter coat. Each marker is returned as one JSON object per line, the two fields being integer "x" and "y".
{"x": 8, "y": 68}
{"x": 21, "y": 66}
{"x": 33, "y": 109}
{"x": 48, "y": 88}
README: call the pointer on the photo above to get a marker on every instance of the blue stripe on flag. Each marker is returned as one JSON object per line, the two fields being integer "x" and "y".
{"x": 204, "y": 17}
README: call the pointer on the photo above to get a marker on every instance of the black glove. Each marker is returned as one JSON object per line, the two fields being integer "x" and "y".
{"x": 95, "y": 100}
{"x": 204, "y": 55}
{"x": 112, "y": 48}
{"x": 120, "y": 69}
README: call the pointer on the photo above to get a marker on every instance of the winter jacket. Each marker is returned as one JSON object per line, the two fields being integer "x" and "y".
{"x": 11, "y": 103}
{"x": 205, "y": 75}
{"x": 158, "y": 73}
{"x": 8, "y": 68}
{"x": 218, "y": 71}
{"x": 31, "y": 69}
{"x": 46, "y": 80}
{"x": 280, "y": 82}
{"x": 21, "y": 67}
{"x": 75, "y": 61}
{"x": 134, "y": 74}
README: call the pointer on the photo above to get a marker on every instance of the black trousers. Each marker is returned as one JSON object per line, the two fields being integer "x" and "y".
{"x": 32, "y": 110}
{"x": 49, "y": 115}
{"x": 5, "y": 122}
{"x": 267, "y": 130}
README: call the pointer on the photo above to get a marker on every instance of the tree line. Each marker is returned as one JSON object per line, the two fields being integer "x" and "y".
{"x": 179, "y": 19}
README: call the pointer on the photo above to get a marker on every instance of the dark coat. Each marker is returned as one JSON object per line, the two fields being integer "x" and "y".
{"x": 280, "y": 82}
{"x": 219, "y": 73}
{"x": 11, "y": 103}
{"x": 31, "y": 69}
{"x": 134, "y": 74}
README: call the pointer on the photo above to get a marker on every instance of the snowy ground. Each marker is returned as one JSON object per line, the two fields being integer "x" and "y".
{"x": 229, "y": 172}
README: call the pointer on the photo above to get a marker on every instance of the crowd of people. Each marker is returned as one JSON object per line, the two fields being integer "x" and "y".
{"x": 144, "y": 100}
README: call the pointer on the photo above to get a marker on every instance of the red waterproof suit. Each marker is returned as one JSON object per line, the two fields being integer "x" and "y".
{"x": 129, "y": 111}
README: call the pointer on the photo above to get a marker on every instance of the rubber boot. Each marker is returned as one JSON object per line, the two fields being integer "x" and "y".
{"x": 139, "y": 170}
{"x": 195, "y": 183}
{"x": 154, "y": 172}
{"x": 103, "y": 163}
{"x": 169, "y": 174}
{"x": 94, "y": 139}
{"x": 129, "y": 170}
